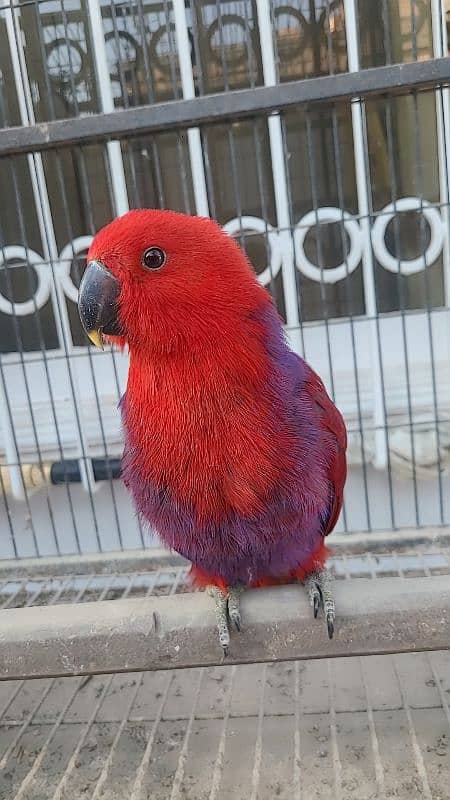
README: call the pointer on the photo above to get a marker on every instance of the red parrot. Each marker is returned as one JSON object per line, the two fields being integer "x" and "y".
{"x": 234, "y": 453}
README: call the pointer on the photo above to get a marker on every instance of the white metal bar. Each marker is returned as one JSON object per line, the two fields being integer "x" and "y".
{"x": 45, "y": 220}
{"x": 280, "y": 184}
{"x": 188, "y": 87}
{"x": 118, "y": 181}
{"x": 11, "y": 450}
{"x": 358, "y": 122}
{"x": 440, "y": 50}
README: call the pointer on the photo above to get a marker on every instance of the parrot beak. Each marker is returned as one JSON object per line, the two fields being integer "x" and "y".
{"x": 97, "y": 303}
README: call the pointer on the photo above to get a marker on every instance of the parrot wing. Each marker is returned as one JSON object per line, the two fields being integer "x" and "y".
{"x": 332, "y": 421}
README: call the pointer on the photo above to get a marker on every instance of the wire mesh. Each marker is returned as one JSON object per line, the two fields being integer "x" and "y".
{"x": 356, "y": 288}
{"x": 378, "y": 724}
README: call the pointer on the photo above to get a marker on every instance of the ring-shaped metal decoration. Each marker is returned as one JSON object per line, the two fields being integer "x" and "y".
{"x": 328, "y": 274}
{"x": 71, "y": 250}
{"x": 243, "y": 225}
{"x": 411, "y": 265}
{"x": 44, "y": 277}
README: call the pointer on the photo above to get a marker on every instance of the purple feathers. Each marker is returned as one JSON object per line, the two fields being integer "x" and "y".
{"x": 288, "y": 530}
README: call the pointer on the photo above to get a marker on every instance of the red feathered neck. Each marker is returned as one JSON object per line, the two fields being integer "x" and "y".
{"x": 200, "y": 420}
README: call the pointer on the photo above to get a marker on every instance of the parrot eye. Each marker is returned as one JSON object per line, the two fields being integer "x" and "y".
{"x": 153, "y": 258}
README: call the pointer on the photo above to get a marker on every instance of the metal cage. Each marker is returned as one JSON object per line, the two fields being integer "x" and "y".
{"x": 317, "y": 133}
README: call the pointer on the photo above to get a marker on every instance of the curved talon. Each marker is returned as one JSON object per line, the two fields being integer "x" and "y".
{"x": 318, "y": 586}
{"x": 234, "y": 612}
{"x": 236, "y": 620}
{"x": 316, "y": 602}
{"x": 330, "y": 625}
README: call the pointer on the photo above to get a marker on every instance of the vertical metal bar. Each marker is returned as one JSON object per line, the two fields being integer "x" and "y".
{"x": 314, "y": 182}
{"x": 126, "y": 103}
{"x": 19, "y": 210}
{"x": 412, "y": 17}
{"x": 297, "y": 780}
{"x": 432, "y": 351}
{"x": 442, "y": 99}
{"x": 188, "y": 87}
{"x": 38, "y": 321}
{"x": 440, "y": 50}
{"x": 177, "y": 784}
{"x": 257, "y": 761}
{"x": 136, "y": 790}
{"x": 12, "y": 453}
{"x": 337, "y": 765}
{"x": 150, "y": 99}
{"x": 262, "y": 194}
{"x": 69, "y": 55}
{"x": 379, "y": 771}
{"x": 29, "y": 777}
{"x": 415, "y": 745}
{"x": 10, "y": 444}
{"x": 341, "y": 200}
{"x": 286, "y": 156}
{"x": 284, "y": 221}
{"x": 70, "y": 233}
{"x": 220, "y": 757}
{"x": 4, "y": 492}
{"x": 377, "y": 335}
{"x": 45, "y": 221}
{"x": 109, "y": 759}
{"x": 401, "y": 292}
{"x": 364, "y": 205}
{"x": 118, "y": 180}
{"x": 230, "y": 131}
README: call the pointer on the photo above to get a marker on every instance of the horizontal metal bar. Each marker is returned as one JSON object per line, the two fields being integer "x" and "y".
{"x": 68, "y": 470}
{"x": 120, "y": 561}
{"x": 389, "y": 615}
{"x": 224, "y": 107}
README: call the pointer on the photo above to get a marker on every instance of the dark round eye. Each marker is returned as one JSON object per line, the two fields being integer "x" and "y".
{"x": 154, "y": 258}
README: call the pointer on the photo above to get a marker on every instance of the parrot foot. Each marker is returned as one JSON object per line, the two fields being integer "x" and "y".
{"x": 227, "y": 607}
{"x": 318, "y": 586}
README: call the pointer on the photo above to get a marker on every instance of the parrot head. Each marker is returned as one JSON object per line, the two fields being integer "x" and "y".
{"x": 160, "y": 279}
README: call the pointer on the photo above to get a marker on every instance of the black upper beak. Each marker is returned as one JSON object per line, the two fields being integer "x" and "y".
{"x": 97, "y": 303}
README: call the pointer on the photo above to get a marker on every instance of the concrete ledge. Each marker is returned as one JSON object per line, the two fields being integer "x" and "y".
{"x": 386, "y": 615}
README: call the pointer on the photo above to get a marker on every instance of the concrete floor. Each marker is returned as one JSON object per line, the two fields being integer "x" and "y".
{"x": 352, "y": 728}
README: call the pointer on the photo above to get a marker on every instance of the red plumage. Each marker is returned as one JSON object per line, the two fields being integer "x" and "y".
{"x": 235, "y": 452}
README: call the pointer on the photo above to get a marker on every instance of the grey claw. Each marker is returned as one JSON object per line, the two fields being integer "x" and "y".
{"x": 330, "y": 626}
{"x": 318, "y": 586}
{"x": 316, "y": 602}
{"x": 234, "y": 613}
